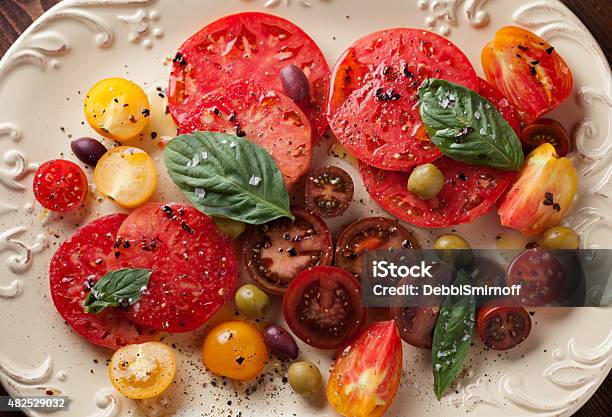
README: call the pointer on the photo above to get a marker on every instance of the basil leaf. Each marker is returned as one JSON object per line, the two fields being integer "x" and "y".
{"x": 121, "y": 287}
{"x": 467, "y": 127}
{"x": 452, "y": 336}
{"x": 224, "y": 175}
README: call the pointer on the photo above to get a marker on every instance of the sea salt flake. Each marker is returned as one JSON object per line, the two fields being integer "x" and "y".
{"x": 254, "y": 181}
{"x": 200, "y": 193}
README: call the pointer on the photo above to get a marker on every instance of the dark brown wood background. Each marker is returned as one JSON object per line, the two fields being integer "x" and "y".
{"x": 16, "y": 15}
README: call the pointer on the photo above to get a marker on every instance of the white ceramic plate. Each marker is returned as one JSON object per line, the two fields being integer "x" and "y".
{"x": 42, "y": 80}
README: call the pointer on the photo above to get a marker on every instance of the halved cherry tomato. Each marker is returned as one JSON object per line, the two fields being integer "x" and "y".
{"x": 540, "y": 275}
{"x": 546, "y": 131}
{"x": 370, "y": 234}
{"x": 274, "y": 253}
{"x": 142, "y": 371}
{"x": 366, "y": 376}
{"x": 329, "y": 191}
{"x": 60, "y": 185}
{"x": 542, "y": 194}
{"x": 235, "y": 349}
{"x": 322, "y": 306}
{"x": 528, "y": 71}
{"x": 502, "y": 324}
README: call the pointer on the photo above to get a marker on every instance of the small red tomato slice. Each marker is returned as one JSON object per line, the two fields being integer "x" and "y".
{"x": 75, "y": 268}
{"x": 265, "y": 117}
{"x": 371, "y": 233}
{"x": 540, "y": 275}
{"x": 528, "y": 71}
{"x": 60, "y": 185}
{"x": 253, "y": 46}
{"x": 501, "y": 103}
{"x": 546, "y": 131}
{"x": 502, "y": 324}
{"x": 329, "y": 191}
{"x": 366, "y": 376}
{"x": 374, "y": 109}
{"x": 274, "y": 253}
{"x": 193, "y": 263}
{"x": 322, "y": 306}
{"x": 469, "y": 192}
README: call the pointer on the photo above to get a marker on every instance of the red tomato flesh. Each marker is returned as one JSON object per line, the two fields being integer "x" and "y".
{"x": 193, "y": 263}
{"x": 374, "y": 109}
{"x": 60, "y": 185}
{"x": 75, "y": 268}
{"x": 501, "y": 103}
{"x": 502, "y": 324}
{"x": 253, "y": 46}
{"x": 266, "y": 117}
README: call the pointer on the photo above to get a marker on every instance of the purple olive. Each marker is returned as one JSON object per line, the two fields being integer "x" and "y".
{"x": 88, "y": 150}
{"x": 295, "y": 82}
{"x": 280, "y": 342}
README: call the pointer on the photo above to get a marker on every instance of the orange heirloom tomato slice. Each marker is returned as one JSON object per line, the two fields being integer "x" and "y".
{"x": 528, "y": 71}
{"x": 366, "y": 375}
{"x": 543, "y": 193}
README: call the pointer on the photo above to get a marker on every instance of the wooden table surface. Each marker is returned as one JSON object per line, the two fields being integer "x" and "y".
{"x": 16, "y": 15}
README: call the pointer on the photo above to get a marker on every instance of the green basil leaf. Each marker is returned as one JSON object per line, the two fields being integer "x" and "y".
{"x": 121, "y": 287}
{"x": 224, "y": 175}
{"x": 452, "y": 336}
{"x": 467, "y": 127}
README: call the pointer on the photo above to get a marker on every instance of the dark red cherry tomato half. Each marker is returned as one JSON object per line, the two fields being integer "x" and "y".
{"x": 546, "y": 131}
{"x": 322, "y": 306}
{"x": 540, "y": 275}
{"x": 329, "y": 191}
{"x": 275, "y": 252}
{"x": 502, "y": 324}
{"x": 60, "y": 185}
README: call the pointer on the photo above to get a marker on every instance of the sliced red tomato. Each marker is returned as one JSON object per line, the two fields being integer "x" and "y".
{"x": 528, "y": 71}
{"x": 502, "y": 324}
{"x": 193, "y": 263}
{"x": 469, "y": 192}
{"x": 501, "y": 103}
{"x": 75, "y": 268}
{"x": 267, "y": 118}
{"x": 374, "y": 109}
{"x": 546, "y": 131}
{"x": 366, "y": 376}
{"x": 322, "y": 306}
{"x": 253, "y": 46}
{"x": 60, "y": 185}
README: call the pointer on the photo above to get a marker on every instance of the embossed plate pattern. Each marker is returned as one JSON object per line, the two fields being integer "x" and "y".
{"x": 42, "y": 81}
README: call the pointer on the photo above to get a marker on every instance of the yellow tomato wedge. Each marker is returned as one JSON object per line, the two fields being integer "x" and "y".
{"x": 235, "y": 349}
{"x": 142, "y": 371}
{"x": 126, "y": 175}
{"x": 543, "y": 193}
{"x": 117, "y": 109}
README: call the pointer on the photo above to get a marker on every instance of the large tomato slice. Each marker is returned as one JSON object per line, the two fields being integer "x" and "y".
{"x": 528, "y": 71}
{"x": 469, "y": 192}
{"x": 252, "y": 46}
{"x": 194, "y": 265}
{"x": 266, "y": 117}
{"x": 373, "y": 108}
{"x": 75, "y": 268}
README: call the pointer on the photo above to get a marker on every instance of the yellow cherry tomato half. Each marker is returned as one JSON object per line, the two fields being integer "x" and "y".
{"x": 142, "y": 371}
{"x": 126, "y": 175}
{"x": 117, "y": 109}
{"x": 235, "y": 349}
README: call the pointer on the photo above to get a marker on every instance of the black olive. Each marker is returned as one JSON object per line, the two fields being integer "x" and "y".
{"x": 88, "y": 150}
{"x": 295, "y": 83}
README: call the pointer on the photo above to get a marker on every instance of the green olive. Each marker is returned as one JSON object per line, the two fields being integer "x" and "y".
{"x": 447, "y": 245}
{"x": 426, "y": 181}
{"x": 251, "y": 301}
{"x": 305, "y": 378}
{"x": 559, "y": 237}
{"x": 231, "y": 228}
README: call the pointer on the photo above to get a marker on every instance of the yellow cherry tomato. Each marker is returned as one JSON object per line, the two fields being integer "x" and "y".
{"x": 117, "y": 109}
{"x": 235, "y": 349}
{"x": 126, "y": 175}
{"x": 142, "y": 371}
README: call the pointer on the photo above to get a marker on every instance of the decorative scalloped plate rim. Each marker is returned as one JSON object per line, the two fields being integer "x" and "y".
{"x": 561, "y": 369}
